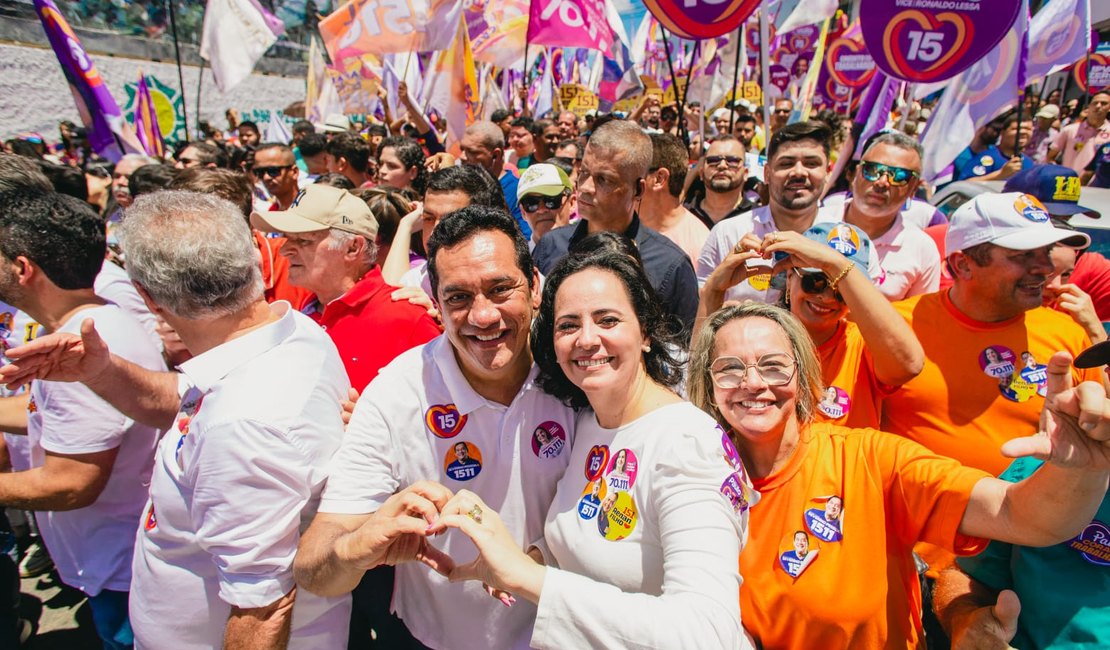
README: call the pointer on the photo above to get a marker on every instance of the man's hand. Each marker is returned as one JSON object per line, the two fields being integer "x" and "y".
{"x": 1075, "y": 302}
{"x": 347, "y": 406}
{"x": 416, "y": 296}
{"x": 58, "y": 357}
{"x": 438, "y": 161}
{"x": 989, "y": 628}
{"x": 1012, "y": 166}
{"x": 398, "y": 531}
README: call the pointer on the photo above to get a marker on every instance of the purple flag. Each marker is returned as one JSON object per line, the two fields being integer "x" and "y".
{"x": 146, "y": 121}
{"x": 109, "y": 134}
{"x": 874, "y": 107}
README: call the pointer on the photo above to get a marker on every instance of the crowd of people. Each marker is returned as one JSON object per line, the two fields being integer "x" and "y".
{"x": 596, "y": 381}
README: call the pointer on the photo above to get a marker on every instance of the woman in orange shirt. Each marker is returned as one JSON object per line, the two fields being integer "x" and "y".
{"x": 862, "y": 360}
{"x": 828, "y": 563}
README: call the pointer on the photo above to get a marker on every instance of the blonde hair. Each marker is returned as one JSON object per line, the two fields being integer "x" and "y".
{"x": 808, "y": 373}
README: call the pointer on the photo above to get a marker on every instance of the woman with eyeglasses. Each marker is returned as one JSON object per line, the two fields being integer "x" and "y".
{"x": 861, "y": 360}
{"x": 640, "y": 543}
{"x": 829, "y": 564}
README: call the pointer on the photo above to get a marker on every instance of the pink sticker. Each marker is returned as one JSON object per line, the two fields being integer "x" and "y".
{"x": 620, "y": 474}
{"x": 549, "y": 439}
{"x": 997, "y": 362}
{"x": 835, "y": 402}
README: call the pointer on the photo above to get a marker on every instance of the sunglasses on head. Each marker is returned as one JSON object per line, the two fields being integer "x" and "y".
{"x": 272, "y": 172}
{"x": 532, "y": 203}
{"x": 731, "y": 161}
{"x": 815, "y": 282}
{"x": 895, "y": 175}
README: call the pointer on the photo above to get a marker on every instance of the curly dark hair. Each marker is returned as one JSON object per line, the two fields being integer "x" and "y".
{"x": 410, "y": 154}
{"x": 661, "y": 329}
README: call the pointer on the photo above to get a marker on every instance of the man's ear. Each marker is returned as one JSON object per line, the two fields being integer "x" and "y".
{"x": 150, "y": 304}
{"x": 959, "y": 265}
{"x": 25, "y": 270}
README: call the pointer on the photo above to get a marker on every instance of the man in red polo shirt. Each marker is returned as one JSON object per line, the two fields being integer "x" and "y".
{"x": 331, "y": 247}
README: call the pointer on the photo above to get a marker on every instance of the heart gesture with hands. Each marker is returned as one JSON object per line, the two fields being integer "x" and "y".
{"x": 802, "y": 252}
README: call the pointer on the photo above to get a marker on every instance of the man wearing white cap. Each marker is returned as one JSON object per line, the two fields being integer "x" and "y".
{"x": 546, "y": 199}
{"x": 331, "y": 247}
{"x": 1043, "y": 134}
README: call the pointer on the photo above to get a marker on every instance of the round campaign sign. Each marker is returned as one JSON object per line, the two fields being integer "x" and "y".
{"x": 1095, "y": 74}
{"x": 698, "y": 19}
{"x": 849, "y": 63}
{"x": 915, "y": 41}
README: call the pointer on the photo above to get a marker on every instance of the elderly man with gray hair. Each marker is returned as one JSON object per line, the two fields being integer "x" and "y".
{"x": 609, "y": 189}
{"x": 888, "y": 175}
{"x": 252, "y": 422}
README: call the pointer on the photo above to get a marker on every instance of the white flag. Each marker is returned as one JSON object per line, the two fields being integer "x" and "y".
{"x": 793, "y": 14}
{"x": 236, "y": 35}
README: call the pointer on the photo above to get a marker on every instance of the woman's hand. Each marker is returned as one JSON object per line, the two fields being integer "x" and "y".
{"x": 501, "y": 564}
{"x": 803, "y": 253}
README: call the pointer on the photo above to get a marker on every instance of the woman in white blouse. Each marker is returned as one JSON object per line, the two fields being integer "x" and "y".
{"x": 646, "y": 559}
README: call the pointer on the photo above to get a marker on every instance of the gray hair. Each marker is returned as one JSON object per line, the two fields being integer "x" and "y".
{"x": 897, "y": 139}
{"x": 492, "y": 137}
{"x": 628, "y": 141}
{"x": 139, "y": 158}
{"x": 340, "y": 239}
{"x": 192, "y": 253}
{"x": 699, "y": 384}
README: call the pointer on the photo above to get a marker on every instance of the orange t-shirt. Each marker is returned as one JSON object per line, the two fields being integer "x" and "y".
{"x": 853, "y": 393}
{"x": 855, "y": 586}
{"x": 983, "y": 383}
{"x": 275, "y": 273}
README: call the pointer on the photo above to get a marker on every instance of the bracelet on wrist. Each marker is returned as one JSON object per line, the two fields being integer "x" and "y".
{"x": 836, "y": 281}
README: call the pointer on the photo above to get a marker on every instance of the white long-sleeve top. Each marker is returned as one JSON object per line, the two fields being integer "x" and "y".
{"x": 647, "y": 557}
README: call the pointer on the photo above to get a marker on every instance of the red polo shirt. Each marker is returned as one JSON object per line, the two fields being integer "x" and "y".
{"x": 370, "y": 329}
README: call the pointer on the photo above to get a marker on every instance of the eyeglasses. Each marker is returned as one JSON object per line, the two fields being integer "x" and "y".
{"x": 272, "y": 172}
{"x": 774, "y": 369}
{"x": 532, "y": 203}
{"x": 896, "y": 175}
{"x": 815, "y": 282}
{"x": 782, "y": 111}
{"x": 731, "y": 161}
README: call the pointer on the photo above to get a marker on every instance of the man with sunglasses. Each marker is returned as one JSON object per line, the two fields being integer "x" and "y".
{"x": 722, "y": 171}
{"x": 276, "y": 166}
{"x": 546, "y": 200}
{"x": 887, "y": 178}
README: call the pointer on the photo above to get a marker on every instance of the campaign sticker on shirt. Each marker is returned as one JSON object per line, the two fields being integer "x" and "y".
{"x": 7, "y": 321}
{"x": 620, "y": 475}
{"x": 844, "y": 240}
{"x": 797, "y": 551}
{"x": 590, "y": 503}
{"x": 1034, "y": 373}
{"x": 463, "y": 461}
{"x": 549, "y": 440}
{"x": 596, "y": 461}
{"x": 444, "y": 420}
{"x": 835, "y": 402}
{"x": 997, "y": 362}
{"x": 1094, "y": 543}
{"x": 979, "y": 170}
{"x": 31, "y": 406}
{"x": 731, "y": 456}
{"x": 986, "y": 161}
{"x": 760, "y": 282}
{"x": 826, "y": 517}
{"x": 737, "y": 492}
{"x": 150, "y": 522}
{"x": 617, "y": 517}
{"x": 1030, "y": 208}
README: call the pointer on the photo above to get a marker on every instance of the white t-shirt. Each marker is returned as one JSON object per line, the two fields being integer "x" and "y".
{"x": 726, "y": 234}
{"x": 235, "y": 482}
{"x": 114, "y": 285}
{"x": 418, "y": 276}
{"x": 16, "y": 328}
{"x": 92, "y": 546}
{"x": 644, "y": 535}
{"x": 909, "y": 259}
{"x": 411, "y": 424}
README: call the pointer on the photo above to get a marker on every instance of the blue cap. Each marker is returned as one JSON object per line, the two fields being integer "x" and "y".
{"x": 1055, "y": 186}
{"x": 844, "y": 238}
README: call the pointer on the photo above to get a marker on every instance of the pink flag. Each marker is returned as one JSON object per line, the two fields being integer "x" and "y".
{"x": 570, "y": 23}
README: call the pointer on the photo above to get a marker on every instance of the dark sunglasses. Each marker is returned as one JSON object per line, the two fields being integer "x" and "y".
{"x": 895, "y": 175}
{"x": 732, "y": 161}
{"x": 272, "y": 172}
{"x": 816, "y": 282}
{"x": 782, "y": 111}
{"x": 532, "y": 203}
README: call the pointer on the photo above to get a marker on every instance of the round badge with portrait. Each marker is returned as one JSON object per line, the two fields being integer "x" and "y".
{"x": 835, "y": 402}
{"x": 590, "y": 503}
{"x": 825, "y": 518}
{"x": 549, "y": 439}
{"x": 1030, "y": 208}
{"x": 997, "y": 362}
{"x": 798, "y": 551}
{"x": 1034, "y": 373}
{"x": 463, "y": 461}
{"x": 620, "y": 474}
{"x": 843, "y": 239}
{"x": 617, "y": 516}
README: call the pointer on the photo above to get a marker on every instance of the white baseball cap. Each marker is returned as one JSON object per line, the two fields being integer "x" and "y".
{"x": 319, "y": 207}
{"x": 543, "y": 178}
{"x": 1013, "y": 220}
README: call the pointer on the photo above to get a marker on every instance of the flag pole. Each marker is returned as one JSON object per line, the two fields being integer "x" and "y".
{"x": 764, "y": 68}
{"x": 177, "y": 55}
{"x": 735, "y": 77}
{"x": 674, "y": 83}
{"x": 200, "y": 83}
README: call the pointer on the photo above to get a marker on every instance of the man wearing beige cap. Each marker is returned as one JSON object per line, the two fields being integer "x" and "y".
{"x": 546, "y": 199}
{"x": 331, "y": 247}
{"x": 1043, "y": 134}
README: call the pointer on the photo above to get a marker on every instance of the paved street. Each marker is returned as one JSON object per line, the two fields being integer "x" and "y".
{"x": 64, "y": 619}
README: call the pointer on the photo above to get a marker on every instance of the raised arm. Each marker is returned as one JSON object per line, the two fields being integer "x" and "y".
{"x": 143, "y": 395}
